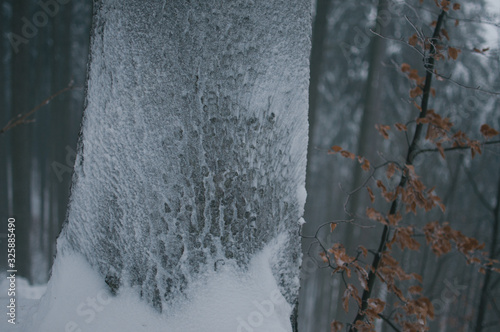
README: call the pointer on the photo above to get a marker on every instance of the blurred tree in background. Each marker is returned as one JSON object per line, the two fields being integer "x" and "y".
{"x": 359, "y": 84}
{"x": 44, "y": 47}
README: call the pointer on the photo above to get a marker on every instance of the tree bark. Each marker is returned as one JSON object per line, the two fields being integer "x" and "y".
{"x": 484, "y": 297}
{"x": 193, "y": 144}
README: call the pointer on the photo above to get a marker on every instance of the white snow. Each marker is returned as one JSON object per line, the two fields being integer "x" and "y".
{"x": 231, "y": 300}
{"x": 301, "y": 198}
{"x": 26, "y": 298}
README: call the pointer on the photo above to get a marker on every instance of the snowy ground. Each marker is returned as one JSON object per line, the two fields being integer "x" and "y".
{"x": 78, "y": 301}
{"x": 27, "y": 297}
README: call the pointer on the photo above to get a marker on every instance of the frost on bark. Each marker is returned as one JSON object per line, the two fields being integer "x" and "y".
{"x": 193, "y": 142}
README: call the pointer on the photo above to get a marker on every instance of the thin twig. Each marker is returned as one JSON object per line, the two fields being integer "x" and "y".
{"x": 429, "y": 64}
{"x": 391, "y": 324}
{"x": 23, "y": 118}
{"x": 454, "y": 148}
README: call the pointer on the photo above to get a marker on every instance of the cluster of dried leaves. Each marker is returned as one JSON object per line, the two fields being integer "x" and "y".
{"x": 413, "y": 310}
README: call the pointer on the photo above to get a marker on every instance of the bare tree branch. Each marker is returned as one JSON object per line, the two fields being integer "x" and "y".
{"x": 23, "y": 118}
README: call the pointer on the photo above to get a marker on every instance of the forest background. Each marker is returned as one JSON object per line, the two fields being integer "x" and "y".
{"x": 356, "y": 83}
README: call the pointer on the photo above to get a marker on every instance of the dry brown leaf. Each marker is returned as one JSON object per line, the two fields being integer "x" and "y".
{"x": 488, "y": 132}
{"x": 405, "y": 67}
{"x": 413, "y": 40}
{"x": 336, "y": 326}
{"x": 444, "y": 32}
{"x": 347, "y": 154}
{"x": 391, "y": 169}
{"x": 401, "y": 127}
{"x": 370, "y": 193}
{"x": 336, "y": 148}
{"x": 383, "y": 130}
{"x": 453, "y": 52}
{"x": 415, "y": 92}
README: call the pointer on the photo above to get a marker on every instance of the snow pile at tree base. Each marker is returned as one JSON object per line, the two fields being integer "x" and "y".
{"x": 26, "y": 297}
{"x": 231, "y": 300}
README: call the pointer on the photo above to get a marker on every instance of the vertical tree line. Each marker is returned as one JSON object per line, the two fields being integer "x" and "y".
{"x": 44, "y": 48}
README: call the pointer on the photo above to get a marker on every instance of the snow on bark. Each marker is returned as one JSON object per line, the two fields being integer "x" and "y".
{"x": 193, "y": 144}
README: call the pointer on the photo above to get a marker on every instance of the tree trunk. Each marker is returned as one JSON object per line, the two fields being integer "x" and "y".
{"x": 193, "y": 144}
{"x": 5, "y": 116}
{"x": 485, "y": 289}
{"x": 320, "y": 187}
{"x": 21, "y": 146}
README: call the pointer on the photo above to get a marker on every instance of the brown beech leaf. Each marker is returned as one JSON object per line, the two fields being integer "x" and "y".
{"x": 417, "y": 106}
{"x": 480, "y": 51}
{"x": 362, "y": 277}
{"x": 375, "y": 215}
{"x": 383, "y": 130}
{"x": 441, "y": 150}
{"x": 381, "y": 185}
{"x": 364, "y": 251}
{"x": 453, "y": 52}
{"x": 345, "y": 299}
{"x": 365, "y": 164}
{"x": 414, "y": 76}
{"x": 347, "y": 154}
{"x": 415, "y": 289}
{"x": 475, "y": 147}
{"x": 411, "y": 171}
{"x": 377, "y": 305}
{"x": 488, "y": 132}
{"x": 417, "y": 277}
{"x": 415, "y": 92}
{"x": 444, "y": 32}
{"x": 456, "y": 6}
{"x": 401, "y": 127}
{"x": 445, "y": 4}
{"x": 413, "y": 40}
{"x": 336, "y": 326}
{"x": 336, "y": 148}
{"x": 405, "y": 67}
{"x": 370, "y": 193}
{"x": 324, "y": 257}
{"x": 391, "y": 169}
{"x": 333, "y": 226}
{"x": 394, "y": 219}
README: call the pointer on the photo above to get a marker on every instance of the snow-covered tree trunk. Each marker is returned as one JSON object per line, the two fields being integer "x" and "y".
{"x": 193, "y": 145}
